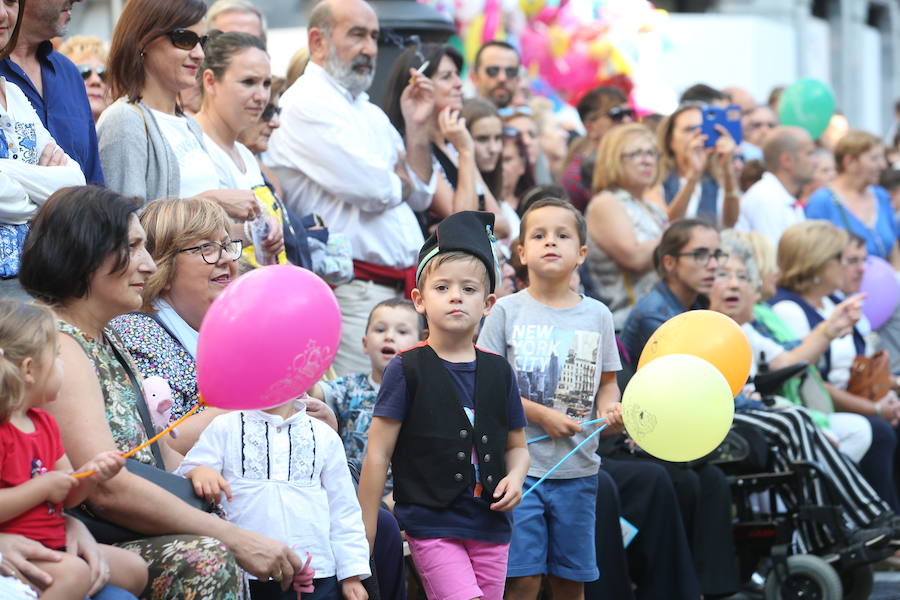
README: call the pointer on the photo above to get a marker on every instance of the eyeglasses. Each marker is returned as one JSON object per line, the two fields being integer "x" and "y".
{"x": 513, "y": 111}
{"x": 702, "y": 256}
{"x": 741, "y": 276}
{"x": 87, "y": 70}
{"x": 510, "y": 132}
{"x": 494, "y": 70}
{"x": 185, "y": 39}
{"x": 758, "y": 124}
{"x": 212, "y": 251}
{"x": 617, "y": 114}
{"x": 638, "y": 154}
{"x": 853, "y": 262}
{"x": 269, "y": 112}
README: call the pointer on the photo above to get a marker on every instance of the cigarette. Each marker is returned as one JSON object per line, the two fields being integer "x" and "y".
{"x": 420, "y": 70}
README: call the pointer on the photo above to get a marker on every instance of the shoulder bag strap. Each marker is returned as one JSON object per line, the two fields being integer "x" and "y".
{"x": 139, "y": 402}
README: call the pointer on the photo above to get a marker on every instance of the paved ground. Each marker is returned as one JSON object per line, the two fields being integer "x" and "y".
{"x": 887, "y": 586}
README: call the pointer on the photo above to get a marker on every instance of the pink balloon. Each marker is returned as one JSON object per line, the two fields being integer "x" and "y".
{"x": 880, "y": 283}
{"x": 267, "y": 338}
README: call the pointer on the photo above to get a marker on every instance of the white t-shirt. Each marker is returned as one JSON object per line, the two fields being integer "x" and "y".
{"x": 694, "y": 202}
{"x": 230, "y": 175}
{"x": 760, "y": 344}
{"x": 843, "y": 350}
{"x": 512, "y": 219}
{"x": 196, "y": 169}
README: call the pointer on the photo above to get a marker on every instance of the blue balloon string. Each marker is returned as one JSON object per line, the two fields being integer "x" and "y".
{"x": 565, "y": 458}
{"x": 547, "y": 435}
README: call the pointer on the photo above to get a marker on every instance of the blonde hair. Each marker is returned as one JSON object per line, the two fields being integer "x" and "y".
{"x": 609, "y": 172}
{"x": 763, "y": 252}
{"x": 26, "y": 330}
{"x": 804, "y": 249}
{"x": 296, "y": 66}
{"x": 80, "y": 47}
{"x": 172, "y": 224}
{"x": 854, "y": 144}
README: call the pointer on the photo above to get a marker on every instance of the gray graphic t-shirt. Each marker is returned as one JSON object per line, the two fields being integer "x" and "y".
{"x": 558, "y": 355}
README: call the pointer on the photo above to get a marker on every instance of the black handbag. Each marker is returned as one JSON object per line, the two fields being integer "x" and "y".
{"x": 106, "y": 532}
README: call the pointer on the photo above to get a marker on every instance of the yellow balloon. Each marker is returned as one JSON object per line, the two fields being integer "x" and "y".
{"x": 531, "y": 7}
{"x": 600, "y": 49}
{"x": 678, "y": 407}
{"x": 558, "y": 40}
{"x": 472, "y": 39}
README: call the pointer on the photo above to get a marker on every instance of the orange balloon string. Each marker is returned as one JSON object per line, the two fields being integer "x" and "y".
{"x": 151, "y": 440}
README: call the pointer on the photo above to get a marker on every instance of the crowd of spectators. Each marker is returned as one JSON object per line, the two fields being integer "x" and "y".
{"x": 141, "y": 177}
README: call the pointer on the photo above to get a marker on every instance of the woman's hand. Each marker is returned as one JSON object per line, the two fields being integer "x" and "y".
{"x": 453, "y": 128}
{"x": 209, "y": 484}
{"x": 844, "y": 317}
{"x": 697, "y": 154}
{"x": 417, "y": 100}
{"x": 317, "y": 409}
{"x": 19, "y": 552}
{"x": 82, "y": 544}
{"x": 888, "y": 408}
{"x": 263, "y": 557}
{"x": 241, "y": 205}
{"x": 274, "y": 242}
{"x": 53, "y": 156}
{"x": 724, "y": 147}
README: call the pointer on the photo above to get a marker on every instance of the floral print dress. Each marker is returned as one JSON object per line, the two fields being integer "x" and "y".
{"x": 182, "y": 567}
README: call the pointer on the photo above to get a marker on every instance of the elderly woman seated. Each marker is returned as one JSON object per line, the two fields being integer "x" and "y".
{"x": 86, "y": 257}
{"x": 789, "y": 428}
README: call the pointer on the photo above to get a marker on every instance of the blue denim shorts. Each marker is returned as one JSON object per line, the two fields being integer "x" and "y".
{"x": 553, "y": 530}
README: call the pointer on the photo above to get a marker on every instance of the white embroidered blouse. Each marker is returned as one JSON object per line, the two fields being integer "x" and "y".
{"x": 290, "y": 481}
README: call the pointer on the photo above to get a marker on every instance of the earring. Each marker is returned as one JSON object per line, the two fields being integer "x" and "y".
{"x": 817, "y": 280}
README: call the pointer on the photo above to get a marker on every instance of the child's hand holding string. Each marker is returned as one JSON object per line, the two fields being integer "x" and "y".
{"x": 104, "y": 466}
{"x": 57, "y": 485}
{"x": 209, "y": 483}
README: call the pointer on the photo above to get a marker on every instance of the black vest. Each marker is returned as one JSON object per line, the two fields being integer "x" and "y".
{"x": 431, "y": 463}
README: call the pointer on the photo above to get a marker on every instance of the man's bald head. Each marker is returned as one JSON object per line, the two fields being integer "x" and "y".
{"x": 343, "y": 39}
{"x": 789, "y": 153}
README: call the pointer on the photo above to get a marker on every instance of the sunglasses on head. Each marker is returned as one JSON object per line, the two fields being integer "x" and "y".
{"x": 617, "y": 114}
{"x": 87, "y": 70}
{"x": 270, "y": 112}
{"x": 494, "y": 70}
{"x": 513, "y": 111}
{"x": 185, "y": 39}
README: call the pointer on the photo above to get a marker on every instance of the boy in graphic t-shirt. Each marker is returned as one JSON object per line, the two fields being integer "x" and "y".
{"x": 563, "y": 349}
{"x": 449, "y": 421}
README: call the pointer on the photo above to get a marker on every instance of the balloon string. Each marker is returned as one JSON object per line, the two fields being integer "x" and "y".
{"x": 151, "y": 440}
{"x": 565, "y": 458}
{"x": 546, "y": 435}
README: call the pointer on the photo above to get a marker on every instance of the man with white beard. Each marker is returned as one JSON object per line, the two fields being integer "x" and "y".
{"x": 338, "y": 156}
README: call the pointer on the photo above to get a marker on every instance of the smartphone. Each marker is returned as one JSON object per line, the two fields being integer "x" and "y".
{"x": 728, "y": 117}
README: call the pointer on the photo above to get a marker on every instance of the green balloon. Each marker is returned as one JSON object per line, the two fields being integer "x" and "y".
{"x": 808, "y": 104}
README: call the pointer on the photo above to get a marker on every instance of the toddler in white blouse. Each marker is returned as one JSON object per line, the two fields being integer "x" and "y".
{"x": 285, "y": 475}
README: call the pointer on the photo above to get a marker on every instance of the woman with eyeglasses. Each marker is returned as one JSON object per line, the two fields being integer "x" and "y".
{"x": 148, "y": 147}
{"x": 686, "y": 260}
{"x": 89, "y": 55}
{"x": 810, "y": 257}
{"x": 794, "y": 430}
{"x": 624, "y": 222}
{"x": 460, "y": 186}
{"x": 698, "y": 181}
{"x": 87, "y": 258}
{"x": 600, "y": 110}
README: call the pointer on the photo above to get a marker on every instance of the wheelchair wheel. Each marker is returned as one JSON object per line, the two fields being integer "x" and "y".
{"x": 809, "y": 578}
{"x": 858, "y": 582}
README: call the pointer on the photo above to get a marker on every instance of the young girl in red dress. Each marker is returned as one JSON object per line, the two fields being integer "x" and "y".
{"x": 36, "y": 480}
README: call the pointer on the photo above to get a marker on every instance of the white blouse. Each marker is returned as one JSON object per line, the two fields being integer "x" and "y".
{"x": 289, "y": 481}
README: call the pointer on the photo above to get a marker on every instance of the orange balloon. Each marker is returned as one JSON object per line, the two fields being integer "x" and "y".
{"x": 706, "y": 334}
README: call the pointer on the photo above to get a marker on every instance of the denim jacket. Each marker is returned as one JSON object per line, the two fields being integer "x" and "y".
{"x": 651, "y": 311}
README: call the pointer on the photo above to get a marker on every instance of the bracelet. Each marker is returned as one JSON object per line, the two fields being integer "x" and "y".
{"x": 247, "y": 236}
{"x": 878, "y": 409}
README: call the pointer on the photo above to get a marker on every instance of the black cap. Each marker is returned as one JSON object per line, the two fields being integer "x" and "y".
{"x": 467, "y": 231}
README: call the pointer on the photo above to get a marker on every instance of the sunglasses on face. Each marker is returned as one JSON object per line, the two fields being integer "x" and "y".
{"x": 185, "y": 39}
{"x": 87, "y": 70}
{"x": 270, "y": 112}
{"x": 617, "y": 114}
{"x": 494, "y": 70}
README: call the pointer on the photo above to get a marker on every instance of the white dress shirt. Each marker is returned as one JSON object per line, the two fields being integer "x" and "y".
{"x": 290, "y": 481}
{"x": 767, "y": 207}
{"x": 335, "y": 155}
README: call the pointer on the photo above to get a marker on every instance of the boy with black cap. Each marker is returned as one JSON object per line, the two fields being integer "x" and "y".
{"x": 449, "y": 421}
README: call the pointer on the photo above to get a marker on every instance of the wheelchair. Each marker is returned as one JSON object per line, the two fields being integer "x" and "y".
{"x": 765, "y": 529}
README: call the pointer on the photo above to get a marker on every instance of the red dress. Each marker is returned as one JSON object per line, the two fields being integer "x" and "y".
{"x": 22, "y": 457}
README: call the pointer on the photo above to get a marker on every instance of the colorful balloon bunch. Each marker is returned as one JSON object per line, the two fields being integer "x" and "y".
{"x": 680, "y": 404}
